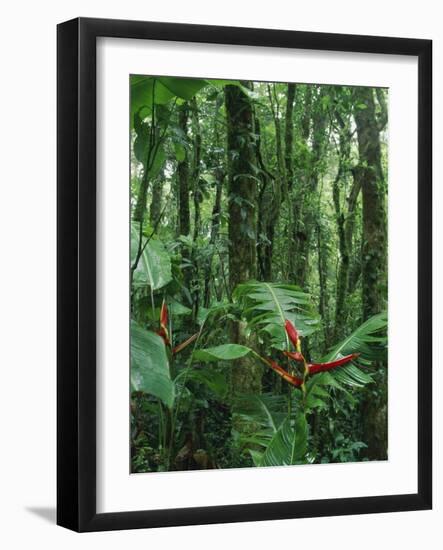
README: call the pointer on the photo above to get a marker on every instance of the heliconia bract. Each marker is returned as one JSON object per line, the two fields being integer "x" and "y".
{"x": 295, "y": 355}
{"x": 321, "y": 367}
{"x": 292, "y": 333}
{"x": 294, "y": 380}
{"x": 164, "y": 315}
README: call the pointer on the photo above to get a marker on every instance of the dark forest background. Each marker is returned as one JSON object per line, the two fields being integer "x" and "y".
{"x": 254, "y": 204}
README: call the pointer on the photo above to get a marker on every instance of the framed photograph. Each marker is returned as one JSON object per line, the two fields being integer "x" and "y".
{"x": 244, "y": 274}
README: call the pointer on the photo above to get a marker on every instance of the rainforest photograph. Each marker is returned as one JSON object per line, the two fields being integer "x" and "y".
{"x": 258, "y": 274}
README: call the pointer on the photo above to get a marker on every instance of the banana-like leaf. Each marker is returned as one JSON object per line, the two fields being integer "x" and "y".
{"x": 154, "y": 265}
{"x": 266, "y": 411}
{"x": 266, "y": 306}
{"x": 289, "y": 444}
{"x": 275, "y": 439}
{"x": 147, "y": 91}
{"x": 317, "y": 397}
{"x": 370, "y": 341}
{"x": 149, "y": 365}
{"x": 186, "y": 88}
{"x": 225, "y": 352}
{"x": 213, "y": 380}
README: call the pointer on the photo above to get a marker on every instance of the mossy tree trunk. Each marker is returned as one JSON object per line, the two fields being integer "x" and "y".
{"x": 374, "y": 252}
{"x": 242, "y": 207}
{"x": 345, "y": 212}
{"x": 370, "y": 174}
{"x": 156, "y": 200}
{"x": 301, "y": 160}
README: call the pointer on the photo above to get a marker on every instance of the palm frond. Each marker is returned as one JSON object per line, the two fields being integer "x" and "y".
{"x": 370, "y": 341}
{"x": 266, "y": 306}
{"x": 266, "y": 411}
{"x": 274, "y": 438}
{"x": 288, "y": 445}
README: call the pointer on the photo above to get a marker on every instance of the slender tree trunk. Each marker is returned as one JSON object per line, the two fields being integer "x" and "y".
{"x": 219, "y": 171}
{"x": 183, "y": 178}
{"x": 374, "y": 254}
{"x": 346, "y": 224}
{"x": 345, "y": 217}
{"x": 197, "y": 198}
{"x": 197, "y": 146}
{"x": 184, "y": 216}
{"x": 156, "y": 200}
{"x": 150, "y": 135}
{"x": 268, "y": 211}
{"x": 242, "y": 187}
{"x": 289, "y": 136}
{"x": 323, "y": 267}
{"x": 370, "y": 174}
{"x": 302, "y": 161}
{"x": 242, "y": 199}
{"x": 215, "y": 224}
{"x": 309, "y": 205}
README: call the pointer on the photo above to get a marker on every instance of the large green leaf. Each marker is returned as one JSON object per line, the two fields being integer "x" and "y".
{"x": 153, "y": 159}
{"x": 147, "y": 91}
{"x": 273, "y": 438}
{"x": 288, "y": 445}
{"x": 154, "y": 265}
{"x": 211, "y": 378}
{"x": 266, "y": 306}
{"x": 180, "y": 151}
{"x": 149, "y": 365}
{"x": 186, "y": 88}
{"x": 266, "y": 412}
{"x": 225, "y": 352}
{"x": 316, "y": 394}
{"x": 370, "y": 341}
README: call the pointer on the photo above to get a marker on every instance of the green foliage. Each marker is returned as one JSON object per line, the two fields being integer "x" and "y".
{"x": 191, "y": 388}
{"x": 266, "y": 306}
{"x": 149, "y": 365}
{"x": 154, "y": 266}
{"x": 288, "y": 445}
{"x": 370, "y": 340}
{"x": 225, "y": 352}
{"x": 147, "y": 91}
{"x": 275, "y": 439}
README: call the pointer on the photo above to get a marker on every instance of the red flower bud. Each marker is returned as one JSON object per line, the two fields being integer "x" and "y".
{"x": 314, "y": 368}
{"x": 292, "y": 333}
{"x": 293, "y": 380}
{"x": 295, "y": 355}
{"x": 164, "y": 315}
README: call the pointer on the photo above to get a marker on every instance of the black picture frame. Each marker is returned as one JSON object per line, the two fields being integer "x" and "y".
{"x": 76, "y": 281}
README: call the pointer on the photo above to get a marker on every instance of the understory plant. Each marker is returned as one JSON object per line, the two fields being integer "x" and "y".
{"x": 175, "y": 381}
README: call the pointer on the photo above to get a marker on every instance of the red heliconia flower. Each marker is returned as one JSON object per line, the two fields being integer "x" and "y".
{"x": 292, "y": 333}
{"x": 294, "y": 380}
{"x": 164, "y": 332}
{"x": 164, "y": 315}
{"x": 314, "y": 368}
{"x": 295, "y": 355}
